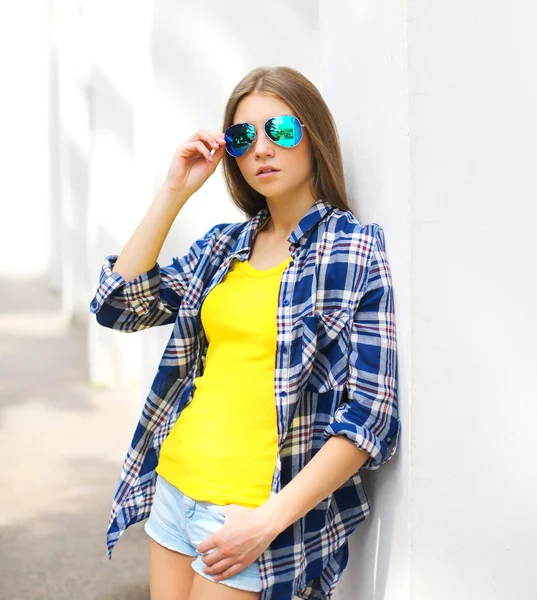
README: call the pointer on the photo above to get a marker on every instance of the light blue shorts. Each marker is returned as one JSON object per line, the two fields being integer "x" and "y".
{"x": 180, "y": 523}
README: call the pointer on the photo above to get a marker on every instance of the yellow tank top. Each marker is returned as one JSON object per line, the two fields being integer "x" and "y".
{"x": 223, "y": 446}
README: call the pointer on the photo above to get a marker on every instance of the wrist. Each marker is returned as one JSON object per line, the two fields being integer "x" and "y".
{"x": 271, "y": 517}
{"x": 172, "y": 196}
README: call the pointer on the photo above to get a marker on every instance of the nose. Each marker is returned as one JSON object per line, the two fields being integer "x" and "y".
{"x": 262, "y": 145}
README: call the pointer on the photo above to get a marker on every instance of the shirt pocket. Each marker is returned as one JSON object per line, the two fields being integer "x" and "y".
{"x": 325, "y": 350}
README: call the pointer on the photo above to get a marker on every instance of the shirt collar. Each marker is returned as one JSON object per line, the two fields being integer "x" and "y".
{"x": 314, "y": 214}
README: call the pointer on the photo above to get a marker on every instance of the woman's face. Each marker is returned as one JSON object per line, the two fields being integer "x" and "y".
{"x": 294, "y": 164}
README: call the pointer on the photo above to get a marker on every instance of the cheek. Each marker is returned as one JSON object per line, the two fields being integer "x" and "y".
{"x": 241, "y": 163}
{"x": 302, "y": 164}
{"x": 248, "y": 172}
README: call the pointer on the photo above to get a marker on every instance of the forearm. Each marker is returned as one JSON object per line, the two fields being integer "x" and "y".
{"x": 143, "y": 248}
{"x": 333, "y": 464}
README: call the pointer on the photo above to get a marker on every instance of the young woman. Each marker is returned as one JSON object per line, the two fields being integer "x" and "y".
{"x": 279, "y": 381}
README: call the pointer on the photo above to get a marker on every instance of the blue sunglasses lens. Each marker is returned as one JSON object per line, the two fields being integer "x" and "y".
{"x": 285, "y": 131}
{"x": 239, "y": 138}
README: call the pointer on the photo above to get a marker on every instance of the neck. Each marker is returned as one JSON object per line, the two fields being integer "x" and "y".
{"x": 283, "y": 219}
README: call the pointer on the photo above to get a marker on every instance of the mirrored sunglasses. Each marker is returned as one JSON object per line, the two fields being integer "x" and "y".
{"x": 284, "y": 130}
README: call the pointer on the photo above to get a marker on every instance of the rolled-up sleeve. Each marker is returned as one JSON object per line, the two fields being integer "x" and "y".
{"x": 370, "y": 418}
{"x": 150, "y": 299}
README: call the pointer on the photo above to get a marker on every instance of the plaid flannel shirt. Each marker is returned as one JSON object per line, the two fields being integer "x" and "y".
{"x": 335, "y": 374}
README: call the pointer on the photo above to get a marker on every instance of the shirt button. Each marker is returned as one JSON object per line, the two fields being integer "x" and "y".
{"x": 285, "y": 302}
{"x": 283, "y": 394}
{"x": 284, "y": 348}
{"x": 291, "y": 263}
{"x": 94, "y": 304}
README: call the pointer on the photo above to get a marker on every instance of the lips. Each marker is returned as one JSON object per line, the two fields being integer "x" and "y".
{"x": 266, "y": 169}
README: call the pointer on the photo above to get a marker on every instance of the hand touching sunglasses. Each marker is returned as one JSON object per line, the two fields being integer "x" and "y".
{"x": 284, "y": 130}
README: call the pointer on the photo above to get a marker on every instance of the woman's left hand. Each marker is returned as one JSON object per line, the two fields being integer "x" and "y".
{"x": 245, "y": 535}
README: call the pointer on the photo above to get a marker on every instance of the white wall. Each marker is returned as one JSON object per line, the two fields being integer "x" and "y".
{"x": 24, "y": 144}
{"x": 121, "y": 170}
{"x": 474, "y": 289}
{"x": 440, "y": 131}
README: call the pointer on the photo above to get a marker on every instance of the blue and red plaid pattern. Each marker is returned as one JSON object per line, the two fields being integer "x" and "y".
{"x": 335, "y": 374}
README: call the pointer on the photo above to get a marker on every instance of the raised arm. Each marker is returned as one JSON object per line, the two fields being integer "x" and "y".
{"x": 134, "y": 291}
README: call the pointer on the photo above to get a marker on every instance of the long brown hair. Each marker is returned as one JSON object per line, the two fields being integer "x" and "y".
{"x": 305, "y": 99}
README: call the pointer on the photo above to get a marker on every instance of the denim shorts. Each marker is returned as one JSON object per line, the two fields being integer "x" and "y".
{"x": 180, "y": 523}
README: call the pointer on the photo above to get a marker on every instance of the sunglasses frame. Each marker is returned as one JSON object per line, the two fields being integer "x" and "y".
{"x": 302, "y": 126}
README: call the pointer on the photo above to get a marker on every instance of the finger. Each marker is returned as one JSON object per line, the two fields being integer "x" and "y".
{"x": 216, "y": 155}
{"x": 213, "y": 558}
{"x": 219, "y": 568}
{"x": 207, "y": 546}
{"x": 212, "y": 138}
{"x": 220, "y": 137}
{"x": 219, "y": 145}
{"x": 237, "y": 568}
{"x": 199, "y": 146}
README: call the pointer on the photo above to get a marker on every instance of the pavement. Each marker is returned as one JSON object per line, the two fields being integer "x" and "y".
{"x": 62, "y": 444}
